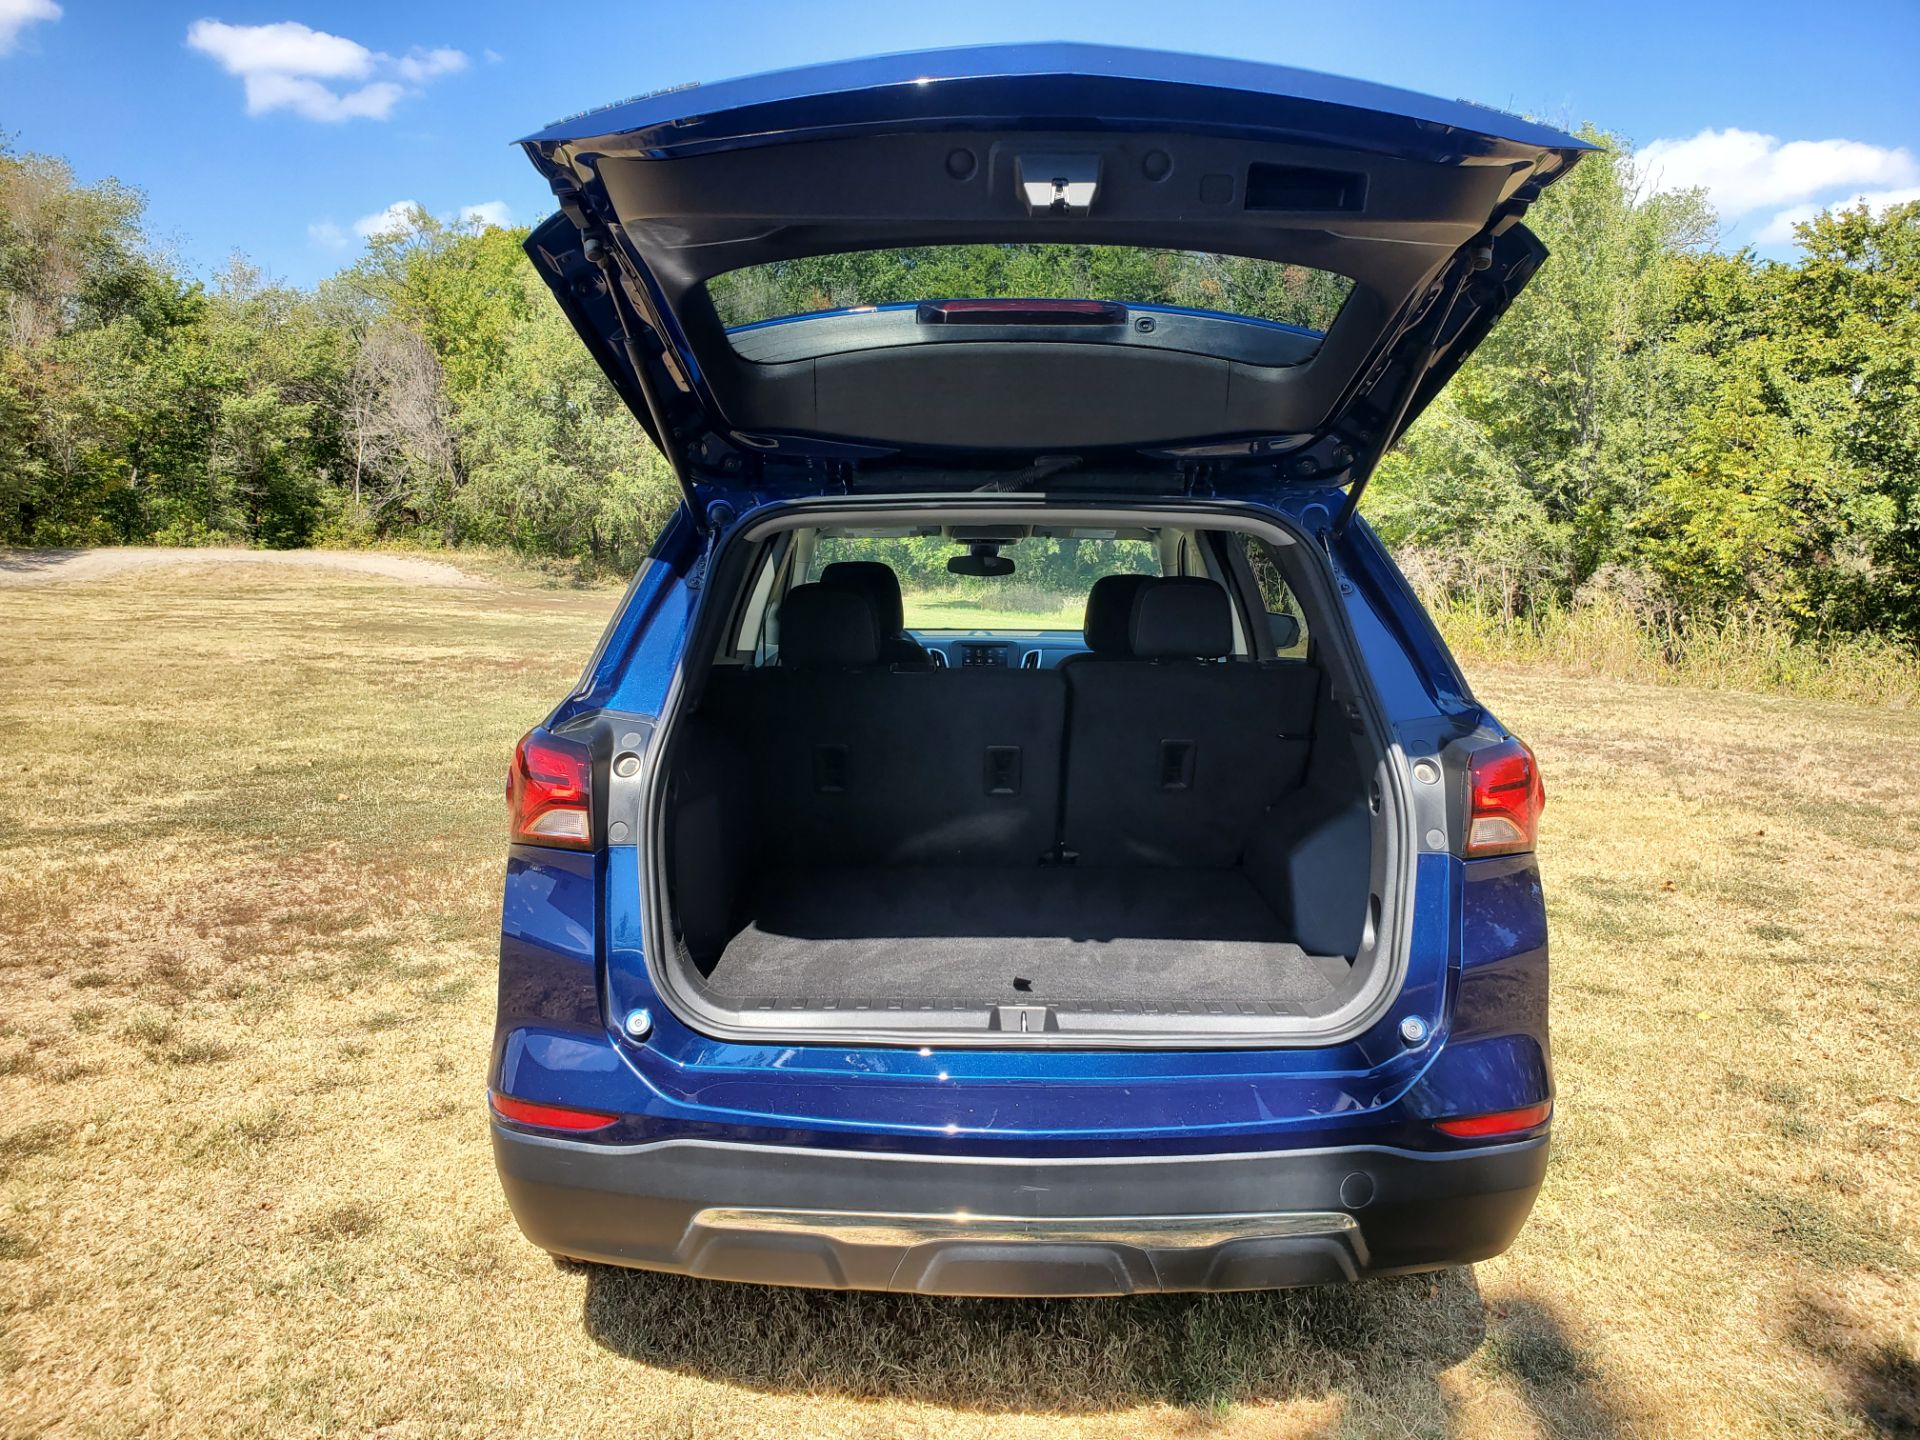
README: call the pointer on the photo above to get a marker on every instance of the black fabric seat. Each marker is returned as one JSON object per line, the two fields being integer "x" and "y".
{"x": 852, "y": 762}
{"x": 826, "y": 629}
{"x": 1109, "y": 619}
{"x": 1175, "y": 755}
{"x": 848, "y": 828}
{"x": 876, "y": 583}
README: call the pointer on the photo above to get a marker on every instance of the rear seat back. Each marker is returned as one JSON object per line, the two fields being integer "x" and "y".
{"x": 974, "y": 772}
{"x": 857, "y": 764}
{"x": 1174, "y": 756}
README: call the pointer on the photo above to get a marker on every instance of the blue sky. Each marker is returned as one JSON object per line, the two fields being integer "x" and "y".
{"x": 283, "y": 129}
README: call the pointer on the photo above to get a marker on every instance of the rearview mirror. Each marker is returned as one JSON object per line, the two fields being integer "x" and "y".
{"x": 980, "y": 563}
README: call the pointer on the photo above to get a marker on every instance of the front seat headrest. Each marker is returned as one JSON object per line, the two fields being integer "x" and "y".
{"x": 877, "y": 583}
{"x": 1109, "y": 619}
{"x": 822, "y": 628}
{"x": 1182, "y": 617}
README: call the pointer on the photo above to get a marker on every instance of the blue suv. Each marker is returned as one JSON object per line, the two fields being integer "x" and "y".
{"x": 1019, "y": 834}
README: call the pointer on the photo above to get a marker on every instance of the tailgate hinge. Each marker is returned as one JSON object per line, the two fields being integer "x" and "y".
{"x": 697, "y": 572}
{"x": 627, "y": 294}
{"x": 1325, "y": 535}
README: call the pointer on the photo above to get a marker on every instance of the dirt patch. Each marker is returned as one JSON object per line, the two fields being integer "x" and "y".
{"x": 44, "y": 567}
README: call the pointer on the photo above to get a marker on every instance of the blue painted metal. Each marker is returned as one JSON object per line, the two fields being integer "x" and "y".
{"x": 549, "y": 955}
{"x": 641, "y": 648}
{"x": 1487, "y": 1052}
{"x": 572, "y": 962}
{"x": 1052, "y": 86}
{"x": 1412, "y": 648}
{"x": 1497, "y": 1056}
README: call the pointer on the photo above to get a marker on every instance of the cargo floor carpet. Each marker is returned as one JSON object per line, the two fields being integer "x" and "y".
{"x": 1038, "y": 935}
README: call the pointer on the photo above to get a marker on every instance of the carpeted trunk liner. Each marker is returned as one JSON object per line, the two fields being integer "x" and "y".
{"x": 1037, "y": 935}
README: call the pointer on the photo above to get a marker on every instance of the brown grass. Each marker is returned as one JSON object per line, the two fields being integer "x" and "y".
{"x": 247, "y": 902}
{"x": 1608, "y": 638}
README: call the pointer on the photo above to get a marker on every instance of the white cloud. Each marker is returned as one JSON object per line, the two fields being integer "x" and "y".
{"x": 1743, "y": 170}
{"x": 397, "y": 219}
{"x": 287, "y": 48}
{"x": 487, "y": 212}
{"x": 16, "y": 15}
{"x": 420, "y": 66}
{"x": 403, "y": 216}
{"x": 327, "y": 235}
{"x": 289, "y": 66}
{"x": 1779, "y": 230}
{"x": 310, "y": 98}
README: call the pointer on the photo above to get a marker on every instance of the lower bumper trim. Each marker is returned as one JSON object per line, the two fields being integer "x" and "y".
{"x": 996, "y": 1226}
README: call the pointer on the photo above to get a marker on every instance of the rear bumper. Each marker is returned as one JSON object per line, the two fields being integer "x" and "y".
{"x": 1016, "y": 1227}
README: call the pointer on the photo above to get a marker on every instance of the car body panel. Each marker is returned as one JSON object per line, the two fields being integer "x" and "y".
{"x": 953, "y": 87}
{"x": 1476, "y": 974}
{"x": 710, "y": 1134}
{"x": 1488, "y": 1051}
{"x": 554, "y": 1047}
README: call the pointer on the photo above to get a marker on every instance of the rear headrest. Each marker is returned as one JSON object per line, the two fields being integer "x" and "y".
{"x": 877, "y": 583}
{"x": 827, "y": 628}
{"x": 1182, "y": 617}
{"x": 1110, "y": 613}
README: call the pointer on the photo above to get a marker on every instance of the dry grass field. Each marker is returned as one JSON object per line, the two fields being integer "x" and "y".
{"x": 247, "y": 901}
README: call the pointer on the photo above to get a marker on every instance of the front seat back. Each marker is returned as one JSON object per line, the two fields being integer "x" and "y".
{"x": 1109, "y": 618}
{"x": 880, "y": 588}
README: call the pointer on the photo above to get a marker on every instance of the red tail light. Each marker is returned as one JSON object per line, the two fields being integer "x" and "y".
{"x": 1508, "y": 796}
{"x": 1502, "y": 1122}
{"x": 548, "y": 1117}
{"x": 550, "y": 793}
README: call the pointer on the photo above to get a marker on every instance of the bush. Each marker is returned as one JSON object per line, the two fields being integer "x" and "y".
{"x": 1604, "y": 635}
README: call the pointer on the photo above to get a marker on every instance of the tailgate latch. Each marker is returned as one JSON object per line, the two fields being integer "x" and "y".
{"x": 1024, "y": 1019}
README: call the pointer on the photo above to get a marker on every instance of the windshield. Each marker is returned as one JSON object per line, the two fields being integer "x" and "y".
{"x": 1046, "y": 589}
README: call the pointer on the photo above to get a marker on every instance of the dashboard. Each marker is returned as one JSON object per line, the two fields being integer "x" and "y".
{"x": 1000, "y": 649}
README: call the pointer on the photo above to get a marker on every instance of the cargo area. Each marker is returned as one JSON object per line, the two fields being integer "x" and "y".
{"x": 1154, "y": 827}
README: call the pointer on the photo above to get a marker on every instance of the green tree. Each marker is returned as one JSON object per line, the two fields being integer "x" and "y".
{"x": 1533, "y": 464}
{"x": 555, "y": 464}
{"x": 1708, "y": 433}
{"x": 1794, "y": 485}
{"x": 1292, "y": 294}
